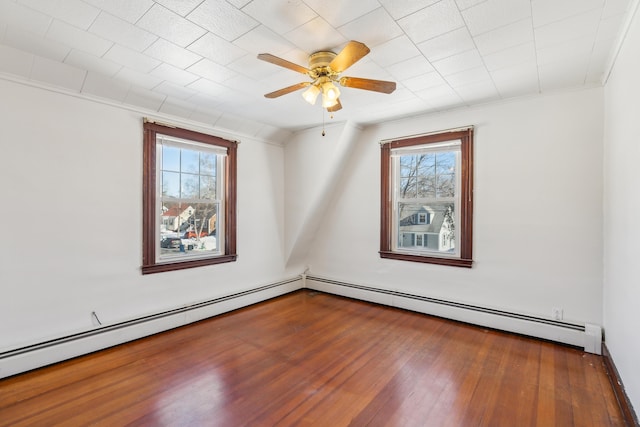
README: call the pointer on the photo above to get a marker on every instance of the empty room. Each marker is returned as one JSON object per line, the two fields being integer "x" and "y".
{"x": 323, "y": 213}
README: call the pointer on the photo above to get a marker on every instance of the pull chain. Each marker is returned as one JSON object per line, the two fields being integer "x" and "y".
{"x": 323, "y": 122}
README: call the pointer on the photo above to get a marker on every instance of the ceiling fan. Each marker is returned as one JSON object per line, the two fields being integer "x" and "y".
{"x": 324, "y": 70}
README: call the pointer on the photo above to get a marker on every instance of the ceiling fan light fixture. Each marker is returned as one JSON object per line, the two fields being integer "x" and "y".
{"x": 311, "y": 95}
{"x": 328, "y": 103}
{"x": 330, "y": 91}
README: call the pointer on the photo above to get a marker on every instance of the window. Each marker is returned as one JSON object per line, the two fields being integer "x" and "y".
{"x": 189, "y": 199}
{"x": 426, "y": 198}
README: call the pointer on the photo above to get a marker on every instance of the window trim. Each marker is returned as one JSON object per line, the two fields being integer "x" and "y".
{"x": 149, "y": 192}
{"x": 465, "y": 258}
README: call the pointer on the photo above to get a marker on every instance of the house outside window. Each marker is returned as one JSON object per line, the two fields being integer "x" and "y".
{"x": 426, "y": 209}
{"x": 189, "y": 199}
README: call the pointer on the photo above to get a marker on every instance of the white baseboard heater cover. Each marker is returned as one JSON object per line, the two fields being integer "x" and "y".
{"x": 586, "y": 336}
{"x": 34, "y": 356}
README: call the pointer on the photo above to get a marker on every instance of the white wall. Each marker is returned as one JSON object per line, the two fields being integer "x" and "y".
{"x": 621, "y": 208}
{"x": 537, "y": 213}
{"x": 71, "y": 217}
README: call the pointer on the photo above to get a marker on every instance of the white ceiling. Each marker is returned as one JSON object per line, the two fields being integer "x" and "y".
{"x": 196, "y": 59}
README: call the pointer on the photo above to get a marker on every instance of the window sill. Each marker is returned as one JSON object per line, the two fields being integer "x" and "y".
{"x": 453, "y": 262}
{"x": 171, "y": 266}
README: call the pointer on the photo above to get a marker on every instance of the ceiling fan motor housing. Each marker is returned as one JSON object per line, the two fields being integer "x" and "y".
{"x": 319, "y": 64}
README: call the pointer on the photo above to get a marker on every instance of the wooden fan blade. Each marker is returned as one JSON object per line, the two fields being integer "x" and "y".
{"x": 352, "y": 53}
{"x": 368, "y": 84}
{"x": 287, "y": 90}
{"x": 336, "y": 107}
{"x": 283, "y": 63}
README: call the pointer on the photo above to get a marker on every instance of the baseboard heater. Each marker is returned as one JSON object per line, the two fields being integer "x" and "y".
{"x": 588, "y": 336}
{"x": 33, "y": 356}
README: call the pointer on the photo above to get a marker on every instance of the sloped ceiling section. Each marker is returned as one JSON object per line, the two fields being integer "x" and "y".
{"x": 196, "y": 59}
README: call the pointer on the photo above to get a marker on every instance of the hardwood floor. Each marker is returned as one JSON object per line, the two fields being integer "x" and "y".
{"x": 309, "y": 358}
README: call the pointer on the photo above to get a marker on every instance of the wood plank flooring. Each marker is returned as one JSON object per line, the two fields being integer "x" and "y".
{"x": 313, "y": 359}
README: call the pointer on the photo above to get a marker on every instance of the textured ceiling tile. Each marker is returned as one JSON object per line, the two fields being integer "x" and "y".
{"x": 171, "y": 26}
{"x": 449, "y": 44}
{"x": 615, "y": 7}
{"x": 131, "y": 59}
{"x": 74, "y": 12}
{"x": 261, "y": 40}
{"x": 401, "y": 8}
{"x": 423, "y": 81}
{"x": 33, "y": 43}
{"x": 177, "y": 107}
{"x": 432, "y": 21}
{"x": 502, "y": 38}
{"x": 208, "y": 87}
{"x": 578, "y": 50}
{"x": 175, "y": 91}
{"x": 563, "y": 74}
{"x": 89, "y": 62}
{"x": 78, "y": 39}
{"x": 316, "y": 35}
{"x": 57, "y": 74}
{"x": 548, "y": 11}
{"x": 23, "y": 18}
{"x": 222, "y": 19}
{"x": 15, "y": 61}
{"x": 481, "y": 91}
{"x": 122, "y": 32}
{"x": 181, "y": 7}
{"x": 144, "y": 98}
{"x": 457, "y": 63}
{"x": 137, "y": 78}
{"x": 518, "y": 80}
{"x": 129, "y": 10}
{"x": 372, "y": 29}
{"x": 510, "y": 57}
{"x": 280, "y": 16}
{"x": 217, "y": 49}
{"x": 212, "y": 71}
{"x": 105, "y": 87}
{"x": 170, "y": 53}
{"x": 174, "y": 74}
{"x": 467, "y": 77}
{"x": 238, "y": 3}
{"x": 494, "y": 14}
{"x": 206, "y": 115}
{"x": 415, "y": 66}
{"x": 252, "y": 67}
{"x": 442, "y": 96}
{"x": 609, "y": 28}
{"x": 466, "y": 4}
{"x": 583, "y": 25}
{"x": 339, "y": 12}
{"x": 394, "y": 51}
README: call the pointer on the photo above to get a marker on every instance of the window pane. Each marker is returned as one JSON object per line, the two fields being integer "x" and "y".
{"x": 170, "y": 184}
{"x": 426, "y": 186}
{"x": 407, "y": 166}
{"x": 446, "y": 185}
{"x": 446, "y": 162}
{"x": 426, "y": 164}
{"x": 208, "y": 163}
{"x": 190, "y": 186}
{"x": 188, "y": 230}
{"x": 207, "y": 187}
{"x": 190, "y": 161}
{"x": 170, "y": 158}
{"x": 407, "y": 188}
{"x": 438, "y": 233}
